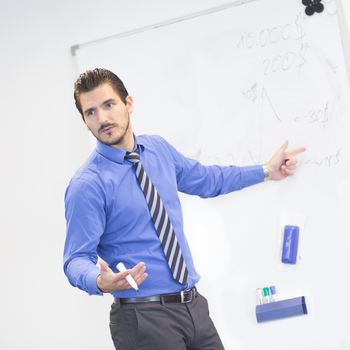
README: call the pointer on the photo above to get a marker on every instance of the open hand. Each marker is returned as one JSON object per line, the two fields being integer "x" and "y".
{"x": 108, "y": 281}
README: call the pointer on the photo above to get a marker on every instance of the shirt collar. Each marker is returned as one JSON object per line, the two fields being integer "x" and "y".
{"x": 116, "y": 154}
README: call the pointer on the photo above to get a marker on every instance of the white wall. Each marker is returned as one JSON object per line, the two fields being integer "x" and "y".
{"x": 42, "y": 142}
{"x": 346, "y": 7}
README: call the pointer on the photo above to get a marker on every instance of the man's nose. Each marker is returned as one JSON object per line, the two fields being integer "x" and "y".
{"x": 102, "y": 117}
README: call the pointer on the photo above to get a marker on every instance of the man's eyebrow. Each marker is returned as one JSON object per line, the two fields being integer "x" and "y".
{"x": 109, "y": 101}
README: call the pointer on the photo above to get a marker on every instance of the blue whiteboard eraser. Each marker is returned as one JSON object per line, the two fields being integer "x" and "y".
{"x": 290, "y": 244}
{"x": 281, "y": 309}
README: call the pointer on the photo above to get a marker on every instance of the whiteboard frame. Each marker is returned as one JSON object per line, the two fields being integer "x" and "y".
{"x": 76, "y": 47}
{"x": 344, "y": 35}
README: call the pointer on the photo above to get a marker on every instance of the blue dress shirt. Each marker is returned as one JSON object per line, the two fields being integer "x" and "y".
{"x": 107, "y": 214}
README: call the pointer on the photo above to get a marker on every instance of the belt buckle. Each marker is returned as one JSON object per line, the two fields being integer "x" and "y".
{"x": 182, "y": 295}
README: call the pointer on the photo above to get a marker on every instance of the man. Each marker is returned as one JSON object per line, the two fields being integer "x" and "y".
{"x": 122, "y": 206}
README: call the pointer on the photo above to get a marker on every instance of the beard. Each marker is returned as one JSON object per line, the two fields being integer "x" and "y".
{"x": 110, "y": 140}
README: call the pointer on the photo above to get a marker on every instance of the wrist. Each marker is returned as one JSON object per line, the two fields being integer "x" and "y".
{"x": 267, "y": 172}
{"x": 99, "y": 284}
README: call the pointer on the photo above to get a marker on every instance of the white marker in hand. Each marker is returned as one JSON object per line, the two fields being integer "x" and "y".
{"x": 121, "y": 267}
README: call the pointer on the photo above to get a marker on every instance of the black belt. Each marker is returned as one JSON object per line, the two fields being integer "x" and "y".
{"x": 182, "y": 297}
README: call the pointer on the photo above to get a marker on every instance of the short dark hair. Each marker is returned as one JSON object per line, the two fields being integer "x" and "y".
{"x": 91, "y": 79}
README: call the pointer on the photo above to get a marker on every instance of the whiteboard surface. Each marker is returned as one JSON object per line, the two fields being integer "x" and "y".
{"x": 228, "y": 87}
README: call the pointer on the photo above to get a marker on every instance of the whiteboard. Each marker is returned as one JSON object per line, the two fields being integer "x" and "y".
{"x": 228, "y": 86}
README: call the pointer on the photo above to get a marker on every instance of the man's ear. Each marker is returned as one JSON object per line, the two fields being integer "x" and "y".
{"x": 129, "y": 104}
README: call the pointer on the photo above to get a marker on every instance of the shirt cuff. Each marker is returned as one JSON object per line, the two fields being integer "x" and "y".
{"x": 252, "y": 175}
{"x": 91, "y": 282}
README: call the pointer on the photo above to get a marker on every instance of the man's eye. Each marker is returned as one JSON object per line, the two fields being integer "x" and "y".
{"x": 89, "y": 113}
{"x": 110, "y": 104}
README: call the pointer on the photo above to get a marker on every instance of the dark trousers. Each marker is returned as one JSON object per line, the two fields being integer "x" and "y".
{"x": 163, "y": 326}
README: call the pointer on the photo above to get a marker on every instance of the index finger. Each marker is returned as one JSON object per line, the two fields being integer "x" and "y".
{"x": 295, "y": 151}
{"x": 121, "y": 275}
{"x": 137, "y": 268}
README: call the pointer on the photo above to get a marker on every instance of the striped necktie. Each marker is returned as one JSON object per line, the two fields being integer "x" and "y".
{"x": 161, "y": 221}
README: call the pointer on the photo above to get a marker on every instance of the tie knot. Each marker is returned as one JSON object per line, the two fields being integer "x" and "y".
{"x": 132, "y": 157}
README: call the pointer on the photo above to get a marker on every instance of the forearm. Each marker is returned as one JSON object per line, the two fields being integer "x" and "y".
{"x": 211, "y": 181}
{"x": 237, "y": 178}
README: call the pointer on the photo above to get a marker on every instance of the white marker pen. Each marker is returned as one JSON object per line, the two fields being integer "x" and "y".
{"x": 121, "y": 267}
{"x": 259, "y": 296}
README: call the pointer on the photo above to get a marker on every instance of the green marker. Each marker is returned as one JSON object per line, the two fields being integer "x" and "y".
{"x": 266, "y": 291}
